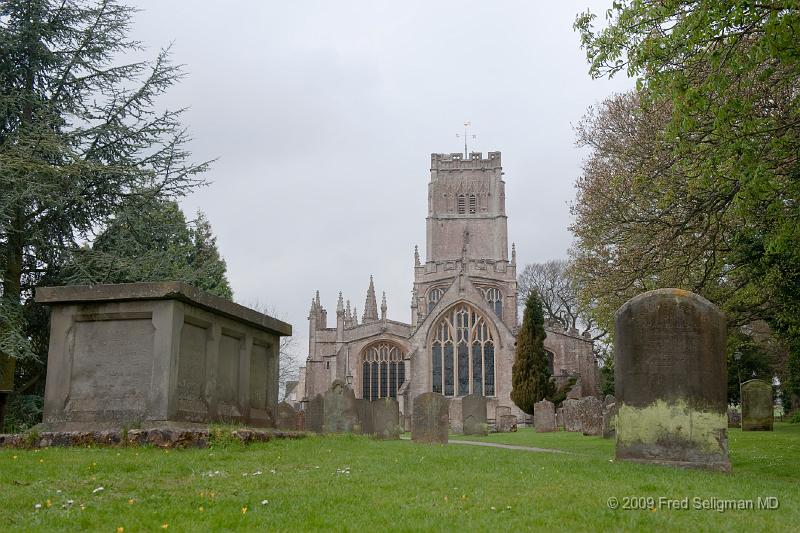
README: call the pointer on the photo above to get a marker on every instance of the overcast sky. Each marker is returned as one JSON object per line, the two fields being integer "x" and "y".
{"x": 323, "y": 116}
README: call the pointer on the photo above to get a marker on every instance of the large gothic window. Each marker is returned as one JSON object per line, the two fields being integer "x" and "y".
{"x": 434, "y": 295}
{"x": 462, "y": 353}
{"x": 495, "y": 300}
{"x": 383, "y": 371}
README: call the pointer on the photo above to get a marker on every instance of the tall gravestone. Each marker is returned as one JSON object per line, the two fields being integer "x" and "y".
{"x": 385, "y": 419}
{"x": 473, "y": 415}
{"x": 431, "y": 419}
{"x": 364, "y": 416}
{"x": 315, "y": 413}
{"x": 571, "y": 415}
{"x": 544, "y": 417}
{"x": 671, "y": 381}
{"x": 340, "y": 412}
{"x": 287, "y": 417}
{"x": 757, "y": 408}
{"x": 590, "y": 412}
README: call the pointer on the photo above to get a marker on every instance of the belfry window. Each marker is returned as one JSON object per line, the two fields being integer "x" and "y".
{"x": 434, "y": 295}
{"x": 495, "y": 300}
{"x": 383, "y": 371}
{"x": 462, "y": 204}
{"x": 473, "y": 204}
{"x": 462, "y": 353}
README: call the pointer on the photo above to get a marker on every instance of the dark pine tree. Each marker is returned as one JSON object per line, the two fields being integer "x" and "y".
{"x": 530, "y": 376}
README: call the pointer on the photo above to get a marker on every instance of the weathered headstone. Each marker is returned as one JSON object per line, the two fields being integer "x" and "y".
{"x": 610, "y": 420}
{"x": 473, "y": 413}
{"x": 609, "y": 399}
{"x": 315, "y": 414}
{"x": 499, "y": 412}
{"x": 287, "y": 417}
{"x": 560, "y": 418}
{"x": 431, "y": 418}
{"x": 385, "y": 419}
{"x": 364, "y": 417}
{"x": 757, "y": 408}
{"x": 591, "y": 416}
{"x": 571, "y": 415}
{"x": 671, "y": 381}
{"x": 734, "y": 418}
{"x": 340, "y": 414}
{"x": 508, "y": 423}
{"x": 544, "y": 417}
{"x": 456, "y": 422}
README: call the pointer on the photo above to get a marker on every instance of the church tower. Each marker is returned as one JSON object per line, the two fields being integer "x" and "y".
{"x": 467, "y": 208}
{"x": 467, "y": 235}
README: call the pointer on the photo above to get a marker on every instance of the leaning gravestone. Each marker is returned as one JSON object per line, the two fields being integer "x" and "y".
{"x": 431, "y": 419}
{"x": 571, "y": 415}
{"x": 590, "y": 412}
{"x": 671, "y": 381}
{"x": 757, "y": 408}
{"x": 499, "y": 412}
{"x": 340, "y": 412}
{"x": 287, "y": 417}
{"x": 610, "y": 420}
{"x": 315, "y": 413}
{"x": 544, "y": 417}
{"x": 385, "y": 423}
{"x": 734, "y": 418}
{"x": 473, "y": 413}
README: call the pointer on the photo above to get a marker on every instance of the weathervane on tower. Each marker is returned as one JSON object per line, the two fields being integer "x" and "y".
{"x": 467, "y": 125}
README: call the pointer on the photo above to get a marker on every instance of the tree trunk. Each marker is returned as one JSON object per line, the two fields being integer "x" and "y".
{"x": 3, "y": 400}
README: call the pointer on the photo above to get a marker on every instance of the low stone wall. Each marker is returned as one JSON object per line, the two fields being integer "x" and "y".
{"x": 158, "y": 437}
{"x": 130, "y": 354}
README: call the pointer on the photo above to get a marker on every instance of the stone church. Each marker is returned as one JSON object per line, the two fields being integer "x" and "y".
{"x": 461, "y": 336}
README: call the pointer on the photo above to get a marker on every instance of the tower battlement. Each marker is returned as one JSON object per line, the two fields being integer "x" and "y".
{"x": 456, "y": 161}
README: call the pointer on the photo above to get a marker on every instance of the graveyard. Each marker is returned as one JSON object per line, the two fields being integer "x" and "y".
{"x": 603, "y": 328}
{"x": 355, "y": 482}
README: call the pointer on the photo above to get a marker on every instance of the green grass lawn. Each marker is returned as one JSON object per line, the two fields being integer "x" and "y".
{"x": 355, "y": 483}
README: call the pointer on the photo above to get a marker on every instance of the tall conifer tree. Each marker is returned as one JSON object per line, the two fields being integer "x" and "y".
{"x": 530, "y": 376}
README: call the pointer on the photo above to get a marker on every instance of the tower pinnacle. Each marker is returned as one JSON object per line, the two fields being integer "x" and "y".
{"x": 371, "y": 304}
{"x": 383, "y": 306}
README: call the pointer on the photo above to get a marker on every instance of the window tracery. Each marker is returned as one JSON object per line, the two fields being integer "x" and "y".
{"x": 383, "y": 371}
{"x": 462, "y": 353}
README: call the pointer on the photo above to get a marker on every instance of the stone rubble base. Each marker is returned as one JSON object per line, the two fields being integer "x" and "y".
{"x": 160, "y": 438}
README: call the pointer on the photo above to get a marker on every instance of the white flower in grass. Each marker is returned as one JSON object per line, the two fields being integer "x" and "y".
{"x": 37, "y": 506}
{"x": 264, "y": 502}
{"x": 98, "y": 489}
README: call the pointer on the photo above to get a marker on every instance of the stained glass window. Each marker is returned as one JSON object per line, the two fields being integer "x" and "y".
{"x": 488, "y": 365}
{"x": 383, "y": 371}
{"x": 462, "y": 353}
{"x": 448, "y": 369}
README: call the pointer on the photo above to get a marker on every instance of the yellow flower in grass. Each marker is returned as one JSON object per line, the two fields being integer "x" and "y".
{"x": 131, "y": 501}
{"x": 164, "y": 525}
{"x": 201, "y": 509}
{"x": 120, "y": 529}
{"x": 244, "y": 509}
